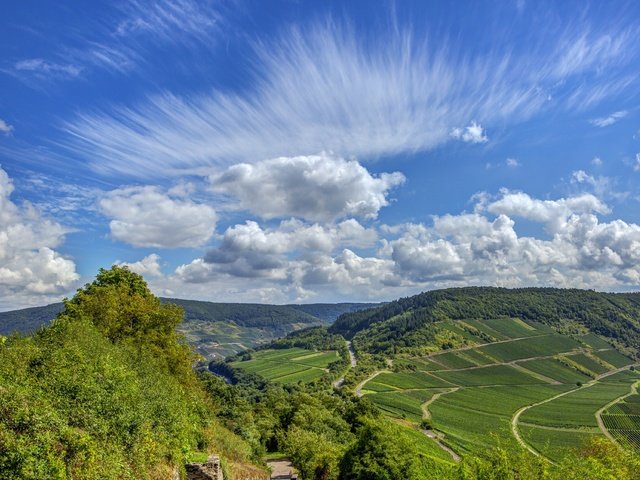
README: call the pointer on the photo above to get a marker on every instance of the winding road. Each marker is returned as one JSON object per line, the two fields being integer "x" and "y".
{"x": 353, "y": 362}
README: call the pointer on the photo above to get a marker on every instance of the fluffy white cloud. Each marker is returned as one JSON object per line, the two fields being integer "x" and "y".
{"x": 636, "y": 165}
{"x": 475, "y": 249}
{"x": 251, "y": 251}
{"x": 473, "y": 133}
{"x": 315, "y": 187}
{"x": 552, "y": 213}
{"x": 5, "y": 127}
{"x": 148, "y": 217}
{"x": 149, "y": 266}
{"x": 596, "y": 162}
{"x": 608, "y": 120}
{"x": 567, "y": 246}
{"x": 31, "y": 270}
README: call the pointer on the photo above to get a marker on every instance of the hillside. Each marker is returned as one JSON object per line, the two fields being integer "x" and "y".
{"x": 214, "y": 329}
{"x": 410, "y": 323}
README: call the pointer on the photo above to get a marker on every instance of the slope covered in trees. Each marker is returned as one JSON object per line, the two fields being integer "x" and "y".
{"x": 409, "y": 322}
{"x": 107, "y": 391}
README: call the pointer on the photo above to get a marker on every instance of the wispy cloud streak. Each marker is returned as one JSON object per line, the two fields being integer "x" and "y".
{"x": 327, "y": 89}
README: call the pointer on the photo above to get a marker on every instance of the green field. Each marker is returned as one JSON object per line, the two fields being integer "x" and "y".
{"x": 552, "y": 368}
{"x": 472, "y": 418}
{"x": 482, "y": 387}
{"x": 576, "y": 409}
{"x": 622, "y": 420}
{"x": 407, "y": 404}
{"x": 489, "y": 375}
{"x": 290, "y": 365}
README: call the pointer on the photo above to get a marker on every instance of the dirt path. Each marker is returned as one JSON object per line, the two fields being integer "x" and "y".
{"x": 633, "y": 391}
{"x": 281, "y": 467}
{"x": 437, "y": 437}
{"x": 369, "y": 378}
{"x": 425, "y": 406}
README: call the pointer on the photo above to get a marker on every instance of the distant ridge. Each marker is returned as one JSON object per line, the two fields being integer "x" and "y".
{"x": 405, "y": 322}
{"x": 249, "y": 315}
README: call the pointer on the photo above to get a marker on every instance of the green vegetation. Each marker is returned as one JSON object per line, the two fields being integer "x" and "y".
{"x": 408, "y": 324}
{"x": 287, "y": 365}
{"x": 107, "y": 391}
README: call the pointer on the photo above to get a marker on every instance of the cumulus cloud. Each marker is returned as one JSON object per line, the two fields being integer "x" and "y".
{"x": 316, "y": 187}
{"x": 476, "y": 249}
{"x": 473, "y": 133}
{"x": 31, "y": 270}
{"x": 5, "y": 127}
{"x": 251, "y": 251}
{"x": 553, "y": 214}
{"x": 148, "y": 217}
{"x": 295, "y": 261}
{"x": 329, "y": 89}
{"x": 636, "y": 165}
{"x": 608, "y": 120}
{"x": 149, "y": 266}
{"x": 596, "y": 161}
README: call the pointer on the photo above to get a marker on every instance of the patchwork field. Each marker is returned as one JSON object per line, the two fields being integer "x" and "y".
{"x": 520, "y": 378}
{"x": 290, "y": 365}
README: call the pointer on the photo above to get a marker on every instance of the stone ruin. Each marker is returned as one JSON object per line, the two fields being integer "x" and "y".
{"x": 209, "y": 470}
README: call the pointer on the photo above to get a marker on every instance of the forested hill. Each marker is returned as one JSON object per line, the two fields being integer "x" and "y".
{"x": 400, "y": 323}
{"x": 242, "y": 314}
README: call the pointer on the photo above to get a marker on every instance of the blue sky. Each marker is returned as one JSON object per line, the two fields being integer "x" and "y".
{"x": 318, "y": 151}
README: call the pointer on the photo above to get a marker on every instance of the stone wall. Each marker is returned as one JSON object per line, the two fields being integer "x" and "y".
{"x": 210, "y": 470}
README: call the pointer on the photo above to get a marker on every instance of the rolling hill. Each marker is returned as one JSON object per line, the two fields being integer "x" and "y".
{"x": 408, "y": 324}
{"x": 215, "y": 329}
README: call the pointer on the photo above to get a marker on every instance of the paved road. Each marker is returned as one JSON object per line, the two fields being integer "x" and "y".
{"x": 352, "y": 361}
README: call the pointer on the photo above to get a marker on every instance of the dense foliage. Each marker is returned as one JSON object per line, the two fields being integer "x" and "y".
{"x": 106, "y": 391}
{"x": 409, "y": 321}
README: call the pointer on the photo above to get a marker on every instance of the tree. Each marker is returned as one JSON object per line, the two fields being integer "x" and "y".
{"x": 119, "y": 303}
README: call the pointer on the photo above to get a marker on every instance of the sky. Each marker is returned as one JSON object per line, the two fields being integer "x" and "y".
{"x": 298, "y": 152}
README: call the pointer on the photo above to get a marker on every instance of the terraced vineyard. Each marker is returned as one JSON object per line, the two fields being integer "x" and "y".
{"x": 521, "y": 383}
{"x": 290, "y": 365}
{"x": 622, "y": 420}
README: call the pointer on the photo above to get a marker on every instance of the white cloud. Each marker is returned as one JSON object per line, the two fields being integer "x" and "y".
{"x": 475, "y": 249}
{"x": 636, "y": 165}
{"x": 5, "y": 127}
{"x": 315, "y": 187}
{"x": 31, "y": 270}
{"x": 553, "y": 214}
{"x": 512, "y": 163}
{"x": 608, "y": 120}
{"x": 248, "y": 250}
{"x": 601, "y": 186}
{"x": 149, "y": 266}
{"x": 296, "y": 261}
{"x": 328, "y": 90}
{"x": 44, "y": 68}
{"x": 473, "y": 133}
{"x": 148, "y": 217}
{"x": 596, "y": 161}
